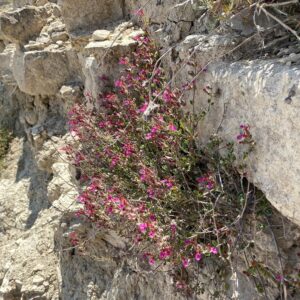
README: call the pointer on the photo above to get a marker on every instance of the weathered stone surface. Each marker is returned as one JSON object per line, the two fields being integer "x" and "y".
{"x": 101, "y": 35}
{"x": 89, "y": 15}
{"x": 59, "y": 36}
{"x": 44, "y": 72}
{"x": 23, "y": 24}
{"x": 256, "y": 93}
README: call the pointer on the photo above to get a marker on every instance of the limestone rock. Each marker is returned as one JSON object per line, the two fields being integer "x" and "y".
{"x": 84, "y": 15}
{"x": 43, "y": 72}
{"x": 2, "y": 46}
{"x": 59, "y": 36}
{"x": 22, "y": 24}
{"x": 101, "y": 35}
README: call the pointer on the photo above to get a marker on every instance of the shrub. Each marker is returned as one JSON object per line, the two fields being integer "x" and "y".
{"x": 142, "y": 173}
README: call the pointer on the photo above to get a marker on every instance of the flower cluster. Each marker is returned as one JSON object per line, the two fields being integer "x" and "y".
{"x": 245, "y": 135}
{"x": 144, "y": 176}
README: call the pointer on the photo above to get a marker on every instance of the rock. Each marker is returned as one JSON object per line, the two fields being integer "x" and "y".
{"x": 22, "y": 24}
{"x": 34, "y": 46}
{"x": 56, "y": 11}
{"x": 34, "y": 71}
{"x": 31, "y": 117}
{"x": 40, "y": 2}
{"x": 274, "y": 166}
{"x": 38, "y": 280}
{"x": 59, "y": 36}
{"x": 56, "y": 26}
{"x": 20, "y": 3}
{"x": 84, "y": 15}
{"x": 2, "y": 46}
{"x": 243, "y": 22}
{"x": 101, "y": 35}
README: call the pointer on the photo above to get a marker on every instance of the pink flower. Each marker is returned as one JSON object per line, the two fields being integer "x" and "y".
{"x": 152, "y": 218}
{"x": 119, "y": 83}
{"x": 213, "y": 250}
{"x": 143, "y": 108}
{"x": 149, "y": 136}
{"x": 198, "y": 256}
{"x": 123, "y": 61}
{"x": 83, "y": 198}
{"x": 138, "y": 38}
{"x": 180, "y": 285}
{"x": 128, "y": 149}
{"x": 173, "y": 228}
{"x": 114, "y": 161}
{"x": 172, "y": 127}
{"x": 151, "y": 234}
{"x": 164, "y": 253}
{"x": 279, "y": 278}
{"x": 109, "y": 209}
{"x": 167, "y": 95}
{"x": 185, "y": 262}
{"x": 73, "y": 238}
{"x": 144, "y": 174}
{"x": 94, "y": 187}
{"x": 152, "y": 133}
{"x": 151, "y": 193}
{"x": 139, "y": 12}
{"x": 188, "y": 242}
{"x": 207, "y": 181}
{"x": 143, "y": 227}
{"x": 151, "y": 261}
{"x": 168, "y": 183}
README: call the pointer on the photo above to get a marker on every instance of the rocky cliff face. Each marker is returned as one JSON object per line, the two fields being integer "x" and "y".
{"x": 51, "y": 52}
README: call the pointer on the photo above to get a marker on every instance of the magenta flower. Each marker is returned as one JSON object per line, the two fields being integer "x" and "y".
{"x": 213, "y": 250}
{"x": 119, "y": 83}
{"x": 114, "y": 161}
{"x": 128, "y": 150}
{"x": 188, "y": 242}
{"x": 138, "y": 38}
{"x": 143, "y": 108}
{"x": 198, "y": 256}
{"x": 206, "y": 181}
{"x": 152, "y": 234}
{"x": 143, "y": 227}
{"x": 173, "y": 228}
{"x": 279, "y": 278}
{"x": 93, "y": 187}
{"x": 245, "y": 133}
{"x": 151, "y": 261}
{"x": 73, "y": 238}
{"x": 144, "y": 174}
{"x": 167, "y": 95}
{"x": 139, "y": 12}
{"x": 152, "y": 218}
{"x": 83, "y": 198}
{"x": 172, "y": 127}
{"x": 151, "y": 193}
{"x": 185, "y": 262}
{"x": 164, "y": 253}
{"x": 152, "y": 133}
{"x": 168, "y": 183}
{"x": 123, "y": 61}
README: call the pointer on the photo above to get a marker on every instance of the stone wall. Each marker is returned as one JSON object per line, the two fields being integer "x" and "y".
{"x": 54, "y": 51}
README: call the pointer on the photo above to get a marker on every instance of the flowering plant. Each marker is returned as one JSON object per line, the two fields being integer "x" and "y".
{"x": 142, "y": 173}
